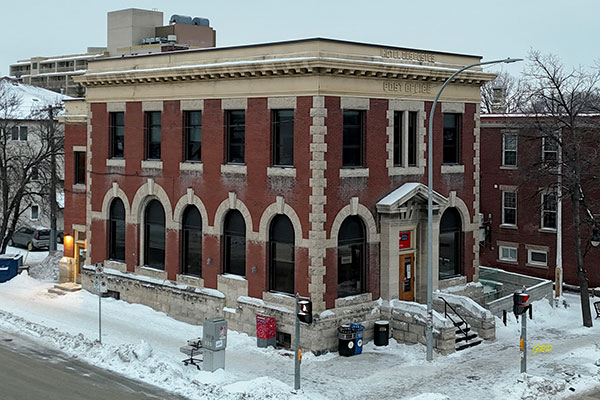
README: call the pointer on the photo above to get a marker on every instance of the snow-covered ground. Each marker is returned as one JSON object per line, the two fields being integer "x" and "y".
{"x": 143, "y": 344}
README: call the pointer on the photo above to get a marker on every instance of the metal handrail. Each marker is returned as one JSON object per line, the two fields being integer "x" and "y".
{"x": 464, "y": 332}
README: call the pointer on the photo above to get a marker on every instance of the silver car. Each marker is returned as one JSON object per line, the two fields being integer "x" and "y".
{"x": 34, "y": 236}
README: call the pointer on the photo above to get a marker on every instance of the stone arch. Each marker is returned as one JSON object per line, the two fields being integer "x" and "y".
{"x": 148, "y": 191}
{"x": 233, "y": 203}
{"x": 187, "y": 199}
{"x": 354, "y": 208}
{"x": 463, "y": 210}
{"x": 280, "y": 207}
{"x": 111, "y": 194}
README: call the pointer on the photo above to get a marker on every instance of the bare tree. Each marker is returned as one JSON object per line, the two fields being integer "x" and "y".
{"x": 505, "y": 94}
{"x": 25, "y": 155}
{"x": 562, "y": 104}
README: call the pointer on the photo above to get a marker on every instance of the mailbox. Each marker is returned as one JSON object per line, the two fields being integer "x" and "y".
{"x": 214, "y": 335}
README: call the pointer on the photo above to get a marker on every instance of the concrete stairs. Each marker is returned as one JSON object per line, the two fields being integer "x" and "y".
{"x": 64, "y": 288}
{"x": 465, "y": 337}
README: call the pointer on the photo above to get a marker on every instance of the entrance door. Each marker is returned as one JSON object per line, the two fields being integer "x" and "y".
{"x": 79, "y": 261}
{"x": 407, "y": 277}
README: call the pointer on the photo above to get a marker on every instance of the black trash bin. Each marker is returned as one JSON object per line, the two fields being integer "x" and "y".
{"x": 382, "y": 333}
{"x": 347, "y": 337}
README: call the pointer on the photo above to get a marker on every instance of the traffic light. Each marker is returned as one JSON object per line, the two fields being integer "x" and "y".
{"x": 305, "y": 311}
{"x": 520, "y": 303}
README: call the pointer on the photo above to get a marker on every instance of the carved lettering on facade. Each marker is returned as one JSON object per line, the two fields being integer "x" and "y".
{"x": 407, "y": 55}
{"x": 407, "y": 87}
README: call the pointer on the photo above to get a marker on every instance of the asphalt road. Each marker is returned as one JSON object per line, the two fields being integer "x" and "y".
{"x": 30, "y": 373}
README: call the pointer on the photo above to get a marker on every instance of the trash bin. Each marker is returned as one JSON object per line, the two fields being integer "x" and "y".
{"x": 358, "y": 330}
{"x": 9, "y": 266}
{"x": 382, "y": 333}
{"x": 266, "y": 331}
{"x": 347, "y": 338}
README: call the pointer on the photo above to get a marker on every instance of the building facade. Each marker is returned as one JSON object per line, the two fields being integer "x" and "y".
{"x": 520, "y": 211}
{"x": 250, "y": 178}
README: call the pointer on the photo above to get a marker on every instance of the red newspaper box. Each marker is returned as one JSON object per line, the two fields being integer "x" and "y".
{"x": 266, "y": 330}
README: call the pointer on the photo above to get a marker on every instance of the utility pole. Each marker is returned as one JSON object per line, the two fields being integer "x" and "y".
{"x": 51, "y": 138}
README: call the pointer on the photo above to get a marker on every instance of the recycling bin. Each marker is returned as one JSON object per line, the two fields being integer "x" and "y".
{"x": 266, "y": 331}
{"x": 9, "y": 266}
{"x": 346, "y": 340}
{"x": 358, "y": 330}
{"x": 382, "y": 333}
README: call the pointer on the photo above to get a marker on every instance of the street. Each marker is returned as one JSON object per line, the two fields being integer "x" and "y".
{"x": 32, "y": 372}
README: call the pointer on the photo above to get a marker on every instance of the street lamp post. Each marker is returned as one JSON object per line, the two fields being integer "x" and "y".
{"x": 429, "y": 327}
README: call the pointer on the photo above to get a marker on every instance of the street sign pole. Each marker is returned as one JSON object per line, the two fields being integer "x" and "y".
{"x": 523, "y": 343}
{"x": 101, "y": 286}
{"x": 297, "y": 353}
{"x": 100, "y": 318}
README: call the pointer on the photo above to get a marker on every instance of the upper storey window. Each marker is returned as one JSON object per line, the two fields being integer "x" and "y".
{"x": 153, "y": 132}
{"x": 353, "y": 138}
{"x": 452, "y": 138}
{"x": 236, "y": 132}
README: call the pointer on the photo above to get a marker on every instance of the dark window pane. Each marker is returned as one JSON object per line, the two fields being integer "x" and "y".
{"x": 451, "y": 138}
{"x": 79, "y": 168}
{"x": 235, "y": 243}
{"x": 116, "y": 247}
{"x": 193, "y": 135}
{"x": 351, "y": 258}
{"x": 398, "y": 138}
{"x": 450, "y": 257}
{"x": 192, "y": 242}
{"x": 117, "y": 134}
{"x": 281, "y": 255}
{"x": 153, "y": 135}
{"x": 15, "y": 133}
{"x": 412, "y": 138}
{"x": 353, "y": 132}
{"x": 23, "y": 133}
{"x": 236, "y": 129}
{"x": 283, "y": 137}
{"x": 154, "y": 239}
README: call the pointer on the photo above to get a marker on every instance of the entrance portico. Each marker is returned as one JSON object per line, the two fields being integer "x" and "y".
{"x": 403, "y": 216}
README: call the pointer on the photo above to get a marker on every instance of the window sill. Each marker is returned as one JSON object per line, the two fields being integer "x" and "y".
{"x": 234, "y": 169}
{"x": 508, "y": 226}
{"x": 536, "y": 266}
{"x": 354, "y": 173}
{"x": 547, "y": 230}
{"x": 509, "y": 167}
{"x": 190, "y": 280}
{"x": 511, "y": 262}
{"x": 151, "y": 272}
{"x": 120, "y": 266}
{"x": 453, "y": 169}
{"x": 115, "y": 162}
{"x": 412, "y": 170}
{"x": 289, "y": 172}
{"x": 78, "y": 187}
{"x": 353, "y": 299}
{"x": 152, "y": 164}
{"x": 191, "y": 166}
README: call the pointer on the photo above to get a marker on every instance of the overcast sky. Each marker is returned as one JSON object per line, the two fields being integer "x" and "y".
{"x": 489, "y": 28}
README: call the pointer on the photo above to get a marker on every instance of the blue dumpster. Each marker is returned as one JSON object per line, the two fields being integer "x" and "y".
{"x": 358, "y": 329}
{"x": 9, "y": 266}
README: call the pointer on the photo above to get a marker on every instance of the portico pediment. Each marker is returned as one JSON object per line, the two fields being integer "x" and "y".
{"x": 410, "y": 192}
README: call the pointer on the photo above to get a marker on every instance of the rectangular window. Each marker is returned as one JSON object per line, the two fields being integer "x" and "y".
{"x": 193, "y": 135}
{"x": 509, "y": 208}
{"x": 34, "y": 212}
{"x": 79, "y": 168}
{"x": 549, "y": 151}
{"x": 537, "y": 257}
{"x": 15, "y": 133}
{"x": 549, "y": 203}
{"x": 283, "y": 137}
{"x": 35, "y": 174}
{"x": 153, "y": 128}
{"x": 117, "y": 134}
{"x": 236, "y": 132}
{"x": 23, "y": 133}
{"x": 509, "y": 149}
{"x": 405, "y": 138}
{"x": 452, "y": 138}
{"x": 507, "y": 253}
{"x": 353, "y": 138}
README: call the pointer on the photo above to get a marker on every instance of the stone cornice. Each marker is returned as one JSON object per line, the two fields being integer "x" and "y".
{"x": 290, "y": 66}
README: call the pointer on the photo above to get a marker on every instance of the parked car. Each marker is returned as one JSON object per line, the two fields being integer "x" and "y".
{"x": 36, "y": 236}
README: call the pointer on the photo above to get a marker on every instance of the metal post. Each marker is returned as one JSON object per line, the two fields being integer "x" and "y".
{"x": 523, "y": 343}
{"x": 429, "y": 327}
{"x": 52, "y": 179}
{"x": 297, "y": 352}
{"x": 558, "y": 274}
{"x": 100, "y": 318}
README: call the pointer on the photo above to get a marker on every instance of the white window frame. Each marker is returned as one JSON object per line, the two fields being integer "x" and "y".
{"x": 543, "y": 211}
{"x": 505, "y": 150}
{"x": 504, "y": 207}
{"x": 509, "y": 248}
{"x": 530, "y": 261}
{"x": 31, "y": 212}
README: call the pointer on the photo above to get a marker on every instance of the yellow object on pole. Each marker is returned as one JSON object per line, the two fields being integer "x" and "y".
{"x": 522, "y": 344}
{"x": 299, "y": 355}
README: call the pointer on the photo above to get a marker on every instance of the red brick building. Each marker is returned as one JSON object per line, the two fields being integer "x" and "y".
{"x": 521, "y": 212}
{"x": 262, "y": 171}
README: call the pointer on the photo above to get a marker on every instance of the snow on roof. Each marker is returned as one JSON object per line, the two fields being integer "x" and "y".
{"x": 31, "y": 99}
{"x": 405, "y": 192}
{"x": 69, "y": 58}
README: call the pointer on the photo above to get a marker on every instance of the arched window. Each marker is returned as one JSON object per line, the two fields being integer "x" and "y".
{"x": 116, "y": 231}
{"x": 234, "y": 238}
{"x": 281, "y": 255}
{"x": 191, "y": 240}
{"x": 154, "y": 235}
{"x": 450, "y": 244}
{"x": 352, "y": 257}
